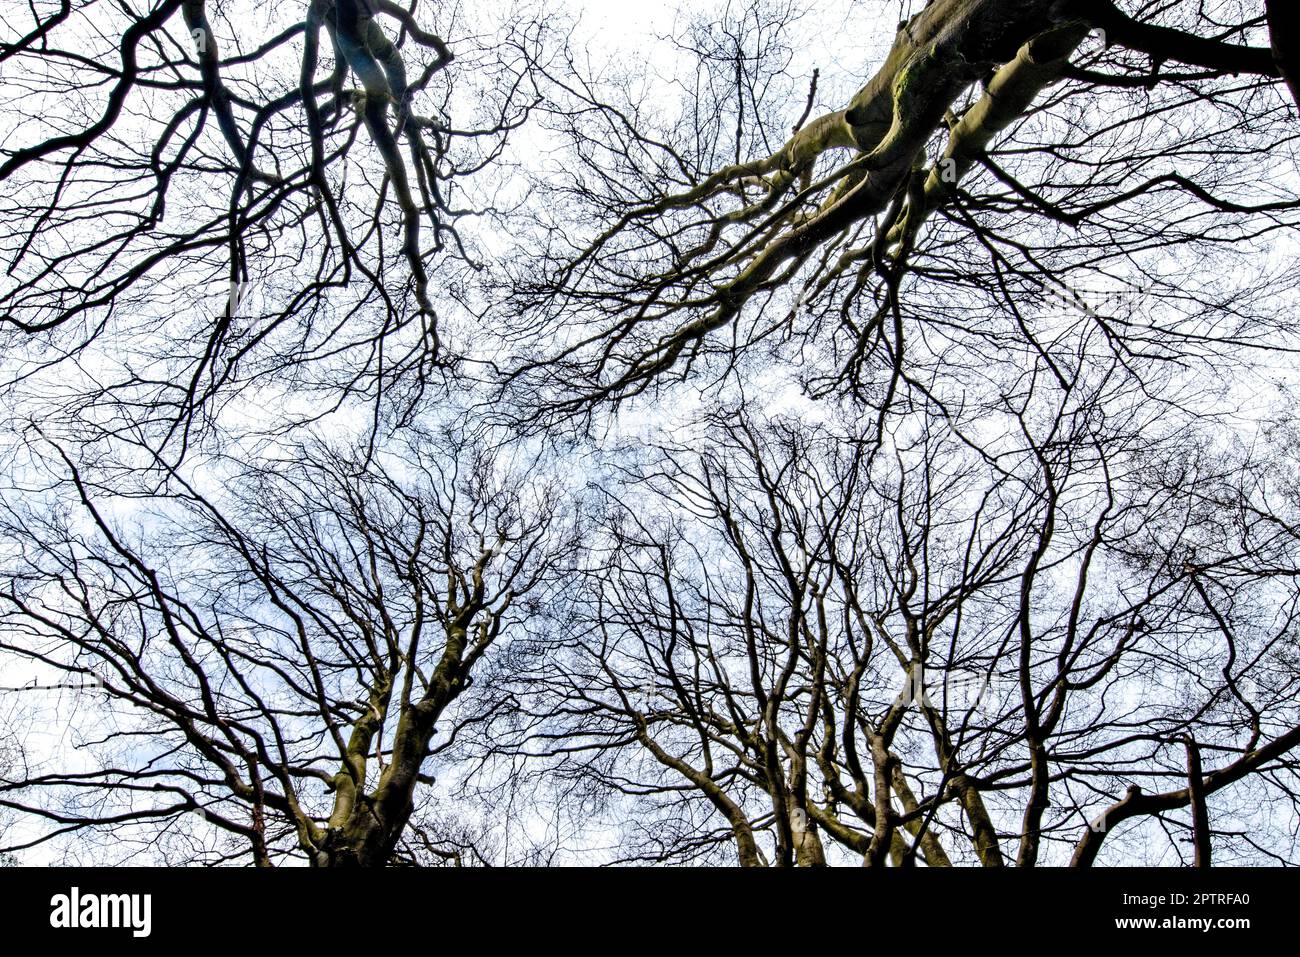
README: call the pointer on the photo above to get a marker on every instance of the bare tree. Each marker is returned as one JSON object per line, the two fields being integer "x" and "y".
{"x": 888, "y": 465}
{"x": 796, "y": 644}
{"x": 288, "y": 664}
{"x": 1002, "y": 153}
{"x": 203, "y": 197}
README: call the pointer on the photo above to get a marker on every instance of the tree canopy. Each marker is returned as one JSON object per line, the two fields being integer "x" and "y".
{"x": 817, "y": 432}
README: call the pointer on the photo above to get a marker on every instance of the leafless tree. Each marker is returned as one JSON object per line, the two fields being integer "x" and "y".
{"x": 207, "y": 197}
{"x": 890, "y": 465}
{"x": 287, "y": 660}
{"x": 796, "y": 644}
{"x": 1002, "y": 153}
